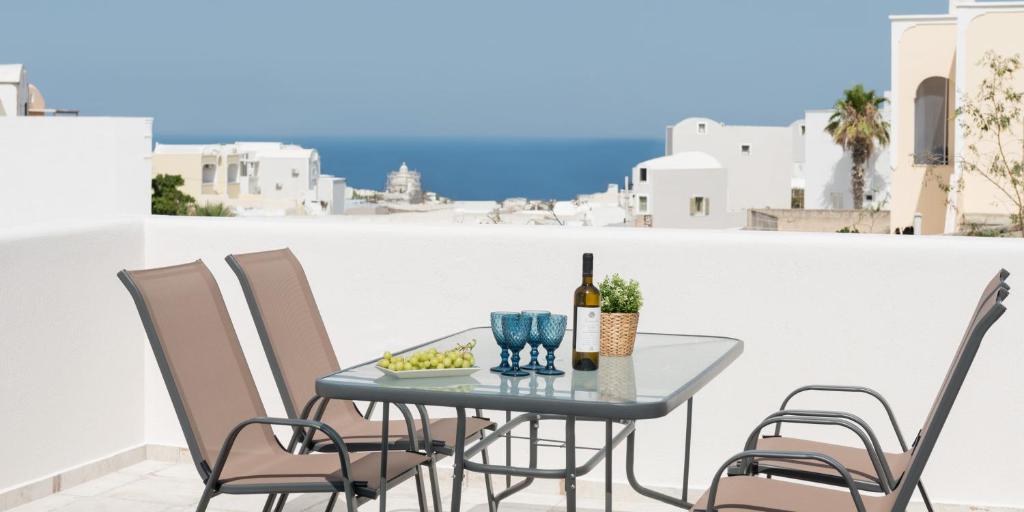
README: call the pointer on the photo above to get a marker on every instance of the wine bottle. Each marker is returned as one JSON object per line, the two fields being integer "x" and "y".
{"x": 586, "y": 320}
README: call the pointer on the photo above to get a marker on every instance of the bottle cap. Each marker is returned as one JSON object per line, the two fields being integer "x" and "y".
{"x": 588, "y": 264}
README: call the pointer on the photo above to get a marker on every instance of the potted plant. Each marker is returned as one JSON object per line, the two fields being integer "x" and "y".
{"x": 620, "y": 312}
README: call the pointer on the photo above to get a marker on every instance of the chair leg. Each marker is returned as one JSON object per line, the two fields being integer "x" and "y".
{"x": 492, "y": 506}
{"x": 421, "y": 494}
{"x": 350, "y": 498}
{"x": 924, "y": 495}
{"x": 204, "y": 500}
{"x": 280, "y": 502}
{"x": 269, "y": 503}
{"x": 435, "y": 488}
{"x": 331, "y": 501}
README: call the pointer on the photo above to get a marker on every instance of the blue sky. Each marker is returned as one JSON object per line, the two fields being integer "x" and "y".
{"x": 578, "y": 68}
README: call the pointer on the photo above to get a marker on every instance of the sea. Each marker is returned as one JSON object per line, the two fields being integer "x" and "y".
{"x": 471, "y": 169}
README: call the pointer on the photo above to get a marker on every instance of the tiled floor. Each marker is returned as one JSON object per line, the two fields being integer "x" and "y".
{"x": 164, "y": 487}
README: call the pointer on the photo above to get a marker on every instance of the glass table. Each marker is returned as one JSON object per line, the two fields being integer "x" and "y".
{"x": 664, "y": 372}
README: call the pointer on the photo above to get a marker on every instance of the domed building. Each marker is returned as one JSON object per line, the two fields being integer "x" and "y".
{"x": 404, "y": 185}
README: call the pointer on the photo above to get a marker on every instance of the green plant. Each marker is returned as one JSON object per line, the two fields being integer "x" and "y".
{"x": 619, "y": 295}
{"x": 848, "y": 229}
{"x": 993, "y": 121}
{"x": 213, "y": 210}
{"x": 167, "y": 199}
{"x": 857, "y": 125}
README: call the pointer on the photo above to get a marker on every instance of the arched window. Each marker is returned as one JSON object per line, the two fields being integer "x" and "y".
{"x": 931, "y": 122}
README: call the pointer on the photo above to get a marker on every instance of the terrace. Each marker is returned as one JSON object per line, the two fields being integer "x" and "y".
{"x": 88, "y": 425}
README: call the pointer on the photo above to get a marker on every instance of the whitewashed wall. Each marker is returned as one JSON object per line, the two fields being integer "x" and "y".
{"x": 71, "y": 359}
{"x": 73, "y": 167}
{"x": 827, "y": 169}
{"x": 881, "y": 311}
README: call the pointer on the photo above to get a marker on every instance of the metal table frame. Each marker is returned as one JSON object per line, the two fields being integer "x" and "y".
{"x": 535, "y": 412}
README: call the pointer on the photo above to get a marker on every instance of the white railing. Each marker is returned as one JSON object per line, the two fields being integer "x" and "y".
{"x": 881, "y": 311}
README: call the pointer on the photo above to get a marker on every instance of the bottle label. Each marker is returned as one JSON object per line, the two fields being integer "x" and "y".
{"x": 588, "y": 329}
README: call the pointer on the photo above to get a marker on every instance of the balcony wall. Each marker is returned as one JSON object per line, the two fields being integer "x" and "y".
{"x": 78, "y": 383}
{"x": 887, "y": 312}
{"x": 71, "y": 360}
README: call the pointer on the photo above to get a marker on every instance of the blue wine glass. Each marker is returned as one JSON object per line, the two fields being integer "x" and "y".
{"x": 551, "y": 329}
{"x": 534, "y": 340}
{"x": 516, "y": 328}
{"x": 499, "y": 337}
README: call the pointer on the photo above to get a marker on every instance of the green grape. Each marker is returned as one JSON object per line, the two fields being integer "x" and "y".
{"x": 383, "y": 363}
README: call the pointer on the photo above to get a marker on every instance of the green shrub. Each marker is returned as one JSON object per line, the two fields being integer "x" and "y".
{"x": 620, "y": 296}
{"x": 167, "y": 199}
{"x": 213, "y": 210}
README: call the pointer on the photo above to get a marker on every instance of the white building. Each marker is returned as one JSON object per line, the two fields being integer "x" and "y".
{"x": 253, "y": 177}
{"x": 13, "y": 90}
{"x": 760, "y": 159}
{"x": 761, "y": 166}
{"x": 683, "y": 190}
{"x": 404, "y": 185}
{"x": 67, "y": 167}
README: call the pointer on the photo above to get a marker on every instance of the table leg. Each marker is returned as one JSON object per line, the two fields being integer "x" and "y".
{"x": 460, "y": 458}
{"x": 382, "y": 489}
{"x": 608, "y": 466}
{"x": 650, "y": 493}
{"x": 686, "y": 449}
{"x": 570, "y": 463}
{"x": 508, "y": 450}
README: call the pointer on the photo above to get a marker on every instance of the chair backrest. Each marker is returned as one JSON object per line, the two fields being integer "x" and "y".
{"x": 200, "y": 358}
{"x": 289, "y": 325}
{"x": 988, "y": 312}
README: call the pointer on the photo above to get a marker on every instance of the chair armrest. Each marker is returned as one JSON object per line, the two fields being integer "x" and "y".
{"x": 778, "y": 455}
{"x": 850, "y": 389}
{"x": 229, "y": 442}
{"x": 881, "y": 466}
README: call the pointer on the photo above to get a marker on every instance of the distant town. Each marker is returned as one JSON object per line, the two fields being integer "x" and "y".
{"x": 876, "y": 162}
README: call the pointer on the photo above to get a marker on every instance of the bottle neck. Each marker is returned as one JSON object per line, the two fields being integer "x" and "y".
{"x": 588, "y": 279}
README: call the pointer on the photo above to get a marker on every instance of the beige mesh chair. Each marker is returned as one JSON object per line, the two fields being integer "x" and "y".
{"x": 747, "y": 491}
{"x": 299, "y": 350}
{"x": 214, "y": 395}
{"x": 872, "y": 468}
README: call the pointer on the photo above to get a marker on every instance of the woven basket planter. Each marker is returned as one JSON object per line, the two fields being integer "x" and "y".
{"x": 618, "y": 333}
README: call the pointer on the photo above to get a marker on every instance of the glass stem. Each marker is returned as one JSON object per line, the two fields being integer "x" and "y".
{"x": 551, "y": 359}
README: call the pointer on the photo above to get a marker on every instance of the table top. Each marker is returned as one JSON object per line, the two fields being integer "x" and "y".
{"x": 664, "y": 371}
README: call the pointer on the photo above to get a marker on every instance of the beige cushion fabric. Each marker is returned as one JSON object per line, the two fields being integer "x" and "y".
{"x": 748, "y": 493}
{"x": 367, "y": 431}
{"x": 855, "y": 460}
{"x": 318, "y": 469}
{"x": 203, "y": 355}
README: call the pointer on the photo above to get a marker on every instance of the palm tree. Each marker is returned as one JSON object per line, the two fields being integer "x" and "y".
{"x": 857, "y": 126}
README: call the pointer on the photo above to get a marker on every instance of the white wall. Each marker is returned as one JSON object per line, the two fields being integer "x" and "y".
{"x": 887, "y": 312}
{"x": 827, "y": 169}
{"x": 73, "y": 167}
{"x": 759, "y": 179}
{"x": 276, "y": 170}
{"x": 71, "y": 347}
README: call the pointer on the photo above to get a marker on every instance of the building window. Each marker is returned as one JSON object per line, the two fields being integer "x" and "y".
{"x": 702, "y": 128}
{"x": 643, "y": 174}
{"x": 642, "y": 205}
{"x": 931, "y": 120}
{"x": 209, "y": 173}
{"x": 803, "y": 129}
{"x": 699, "y": 206}
{"x": 232, "y": 173}
{"x": 745, "y": 149}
